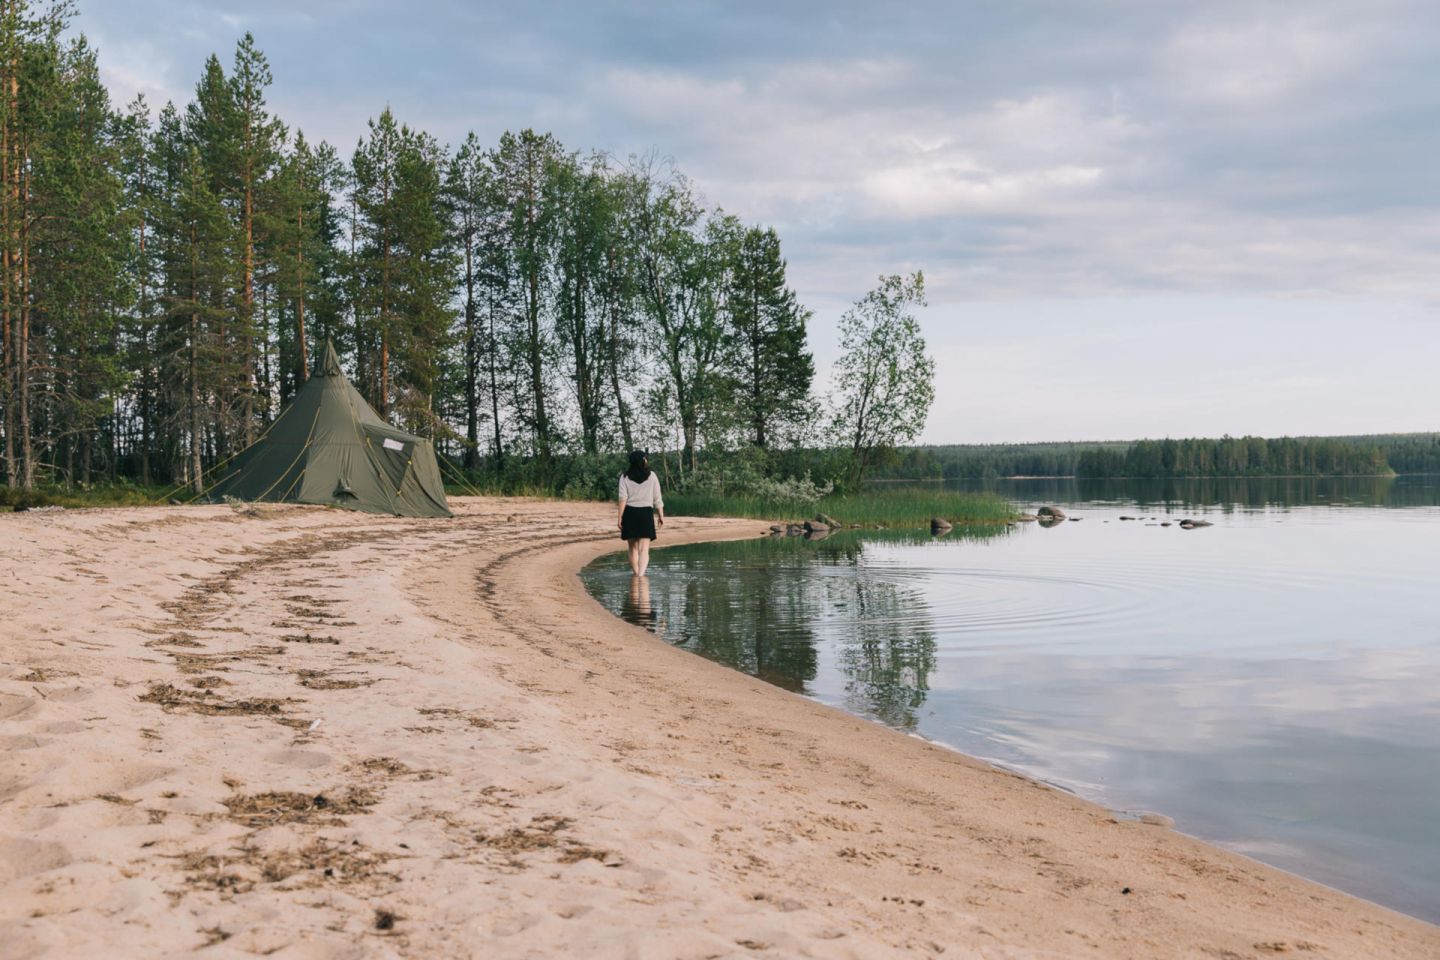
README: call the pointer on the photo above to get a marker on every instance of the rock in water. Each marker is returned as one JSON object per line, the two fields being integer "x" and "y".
{"x": 815, "y": 526}
{"x": 940, "y": 525}
{"x": 826, "y": 519}
{"x": 1051, "y": 513}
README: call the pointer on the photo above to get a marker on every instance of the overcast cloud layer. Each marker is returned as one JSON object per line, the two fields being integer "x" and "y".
{"x": 1135, "y": 218}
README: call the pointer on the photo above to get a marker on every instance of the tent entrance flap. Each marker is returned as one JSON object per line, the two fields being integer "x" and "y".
{"x": 330, "y": 447}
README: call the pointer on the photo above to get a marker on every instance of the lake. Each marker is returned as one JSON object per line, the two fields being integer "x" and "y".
{"x": 1271, "y": 682}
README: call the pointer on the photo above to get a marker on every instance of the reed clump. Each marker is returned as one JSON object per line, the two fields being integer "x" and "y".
{"x": 893, "y": 508}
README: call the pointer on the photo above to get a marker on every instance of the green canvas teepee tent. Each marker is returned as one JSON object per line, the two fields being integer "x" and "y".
{"x": 330, "y": 447}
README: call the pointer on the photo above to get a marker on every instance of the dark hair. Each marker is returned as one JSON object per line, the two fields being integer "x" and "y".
{"x": 639, "y": 466}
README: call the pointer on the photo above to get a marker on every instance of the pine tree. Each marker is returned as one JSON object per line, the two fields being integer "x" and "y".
{"x": 405, "y": 263}
{"x": 78, "y": 251}
{"x": 255, "y": 138}
{"x": 133, "y": 134}
{"x": 767, "y": 367}
{"x": 474, "y": 230}
{"x": 524, "y": 166}
{"x": 303, "y": 242}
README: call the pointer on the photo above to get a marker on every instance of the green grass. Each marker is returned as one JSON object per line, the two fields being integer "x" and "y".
{"x": 496, "y": 488}
{"x": 97, "y": 495}
{"x": 896, "y": 507}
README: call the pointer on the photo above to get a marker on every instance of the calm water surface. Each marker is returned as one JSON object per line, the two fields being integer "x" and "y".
{"x": 1271, "y": 682}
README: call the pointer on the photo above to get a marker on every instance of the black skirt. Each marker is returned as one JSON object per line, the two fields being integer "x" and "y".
{"x": 637, "y": 523}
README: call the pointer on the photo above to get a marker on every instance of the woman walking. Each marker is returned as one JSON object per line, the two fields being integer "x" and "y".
{"x": 641, "y": 509}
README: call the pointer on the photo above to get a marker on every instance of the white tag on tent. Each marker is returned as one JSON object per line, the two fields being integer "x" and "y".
{"x": 393, "y": 444}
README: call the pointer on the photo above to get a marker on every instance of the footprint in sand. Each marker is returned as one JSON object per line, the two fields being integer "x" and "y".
{"x": 21, "y": 857}
{"x": 13, "y": 706}
{"x": 299, "y": 759}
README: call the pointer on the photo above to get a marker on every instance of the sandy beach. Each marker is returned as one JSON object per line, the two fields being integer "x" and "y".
{"x": 297, "y": 732}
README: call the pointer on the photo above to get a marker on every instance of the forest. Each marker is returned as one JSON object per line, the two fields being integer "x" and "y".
{"x": 1371, "y": 455}
{"x": 168, "y": 275}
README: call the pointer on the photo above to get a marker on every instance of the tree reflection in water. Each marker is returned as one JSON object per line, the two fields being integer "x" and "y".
{"x": 763, "y": 606}
{"x": 889, "y": 653}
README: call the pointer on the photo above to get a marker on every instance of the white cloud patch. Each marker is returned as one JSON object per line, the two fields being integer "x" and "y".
{"x": 1255, "y": 63}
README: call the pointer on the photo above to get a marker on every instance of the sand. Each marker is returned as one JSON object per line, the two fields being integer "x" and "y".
{"x": 298, "y": 732}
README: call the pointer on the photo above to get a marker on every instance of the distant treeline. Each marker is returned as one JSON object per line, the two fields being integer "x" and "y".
{"x": 1372, "y": 455}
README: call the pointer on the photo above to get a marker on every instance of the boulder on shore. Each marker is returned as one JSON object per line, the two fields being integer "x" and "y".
{"x": 828, "y": 520}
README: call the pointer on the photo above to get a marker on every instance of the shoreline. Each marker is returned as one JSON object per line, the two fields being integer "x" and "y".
{"x": 509, "y": 769}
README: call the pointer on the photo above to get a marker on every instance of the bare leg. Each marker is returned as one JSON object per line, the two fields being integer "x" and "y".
{"x": 635, "y": 556}
{"x": 644, "y": 556}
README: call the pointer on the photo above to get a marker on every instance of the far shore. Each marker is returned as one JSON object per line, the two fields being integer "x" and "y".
{"x": 307, "y": 733}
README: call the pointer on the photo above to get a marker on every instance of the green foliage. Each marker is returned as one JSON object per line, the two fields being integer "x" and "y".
{"x": 897, "y": 507}
{"x": 885, "y": 381}
{"x": 406, "y": 267}
{"x": 742, "y": 476}
{"x": 765, "y": 368}
{"x": 1225, "y": 457}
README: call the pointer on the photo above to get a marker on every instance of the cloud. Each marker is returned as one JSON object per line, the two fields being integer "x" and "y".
{"x": 1120, "y": 151}
{"x": 1254, "y": 63}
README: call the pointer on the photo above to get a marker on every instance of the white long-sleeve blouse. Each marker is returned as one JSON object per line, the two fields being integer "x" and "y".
{"x": 645, "y": 494}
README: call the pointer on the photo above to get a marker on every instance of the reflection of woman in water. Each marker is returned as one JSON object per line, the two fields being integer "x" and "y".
{"x": 641, "y": 509}
{"x": 638, "y": 609}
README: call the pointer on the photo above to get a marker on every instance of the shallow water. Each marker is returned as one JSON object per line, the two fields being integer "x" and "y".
{"x": 1271, "y": 682}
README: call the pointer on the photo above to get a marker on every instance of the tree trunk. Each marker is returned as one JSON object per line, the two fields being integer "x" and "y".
{"x": 495, "y": 390}
{"x": 614, "y": 359}
{"x": 472, "y": 358}
{"x": 146, "y": 400}
{"x": 584, "y": 375}
{"x": 303, "y": 373}
{"x": 247, "y": 303}
{"x": 532, "y": 309}
{"x": 10, "y": 184}
{"x": 756, "y": 407}
{"x": 384, "y": 374}
{"x": 22, "y": 371}
{"x": 196, "y": 457}
{"x": 384, "y": 398}
{"x": 362, "y": 367}
{"x": 196, "y": 452}
{"x": 537, "y": 377}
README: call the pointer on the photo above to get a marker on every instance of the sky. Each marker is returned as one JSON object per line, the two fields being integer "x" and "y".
{"x": 1135, "y": 218}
